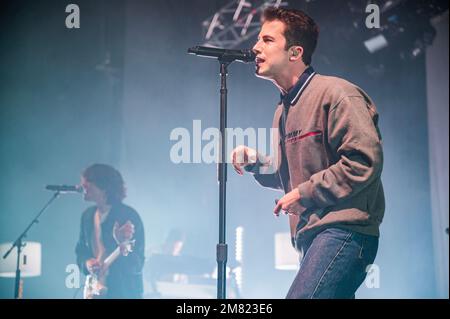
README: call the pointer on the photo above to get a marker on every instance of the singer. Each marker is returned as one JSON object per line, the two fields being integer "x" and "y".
{"x": 329, "y": 164}
{"x": 104, "y": 227}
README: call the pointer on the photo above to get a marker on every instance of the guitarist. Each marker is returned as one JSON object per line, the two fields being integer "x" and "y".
{"x": 104, "y": 226}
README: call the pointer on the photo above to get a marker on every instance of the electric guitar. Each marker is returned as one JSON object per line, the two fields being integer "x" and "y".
{"x": 95, "y": 285}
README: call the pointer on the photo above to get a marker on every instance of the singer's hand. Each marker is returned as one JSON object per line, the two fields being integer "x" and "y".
{"x": 289, "y": 203}
{"x": 242, "y": 156}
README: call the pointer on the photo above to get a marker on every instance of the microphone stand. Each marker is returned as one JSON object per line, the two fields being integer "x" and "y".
{"x": 225, "y": 58}
{"x": 19, "y": 243}
{"x": 222, "y": 248}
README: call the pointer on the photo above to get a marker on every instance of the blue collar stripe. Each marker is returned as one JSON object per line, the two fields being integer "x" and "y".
{"x": 302, "y": 88}
{"x": 294, "y": 93}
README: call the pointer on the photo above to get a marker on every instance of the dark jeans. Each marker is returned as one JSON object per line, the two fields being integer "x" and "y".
{"x": 333, "y": 265}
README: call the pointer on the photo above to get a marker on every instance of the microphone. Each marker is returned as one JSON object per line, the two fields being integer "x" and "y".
{"x": 225, "y": 55}
{"x": 65, "y": 188}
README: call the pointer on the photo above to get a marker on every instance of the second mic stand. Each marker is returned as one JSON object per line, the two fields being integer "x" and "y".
{"x": 19, "y": 243}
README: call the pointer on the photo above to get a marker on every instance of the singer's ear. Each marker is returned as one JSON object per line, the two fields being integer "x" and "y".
{"x": 295, "y": 53}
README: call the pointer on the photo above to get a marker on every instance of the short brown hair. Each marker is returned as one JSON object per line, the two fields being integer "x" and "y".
{"x": 300, "y": 29}
{"x": 108, "y": 179}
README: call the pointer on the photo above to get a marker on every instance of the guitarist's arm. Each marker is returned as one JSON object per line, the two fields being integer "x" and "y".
{"x": 136, "y": 257}
{"x": 133, "y": 229}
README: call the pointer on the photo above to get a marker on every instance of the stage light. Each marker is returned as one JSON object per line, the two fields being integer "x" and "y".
{"x": 376, "y": 43}
{"x": 286, "y": 257}
{"x": 30, "y": 263}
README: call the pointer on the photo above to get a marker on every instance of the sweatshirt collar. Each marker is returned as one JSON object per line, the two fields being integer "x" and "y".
{"x": 291, "y": 97}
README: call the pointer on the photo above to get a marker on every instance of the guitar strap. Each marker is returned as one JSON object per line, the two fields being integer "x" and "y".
{"x": 98, "y": 247}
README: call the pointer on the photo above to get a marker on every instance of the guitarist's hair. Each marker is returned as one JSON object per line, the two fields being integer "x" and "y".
{"x": 108, "y": 179}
